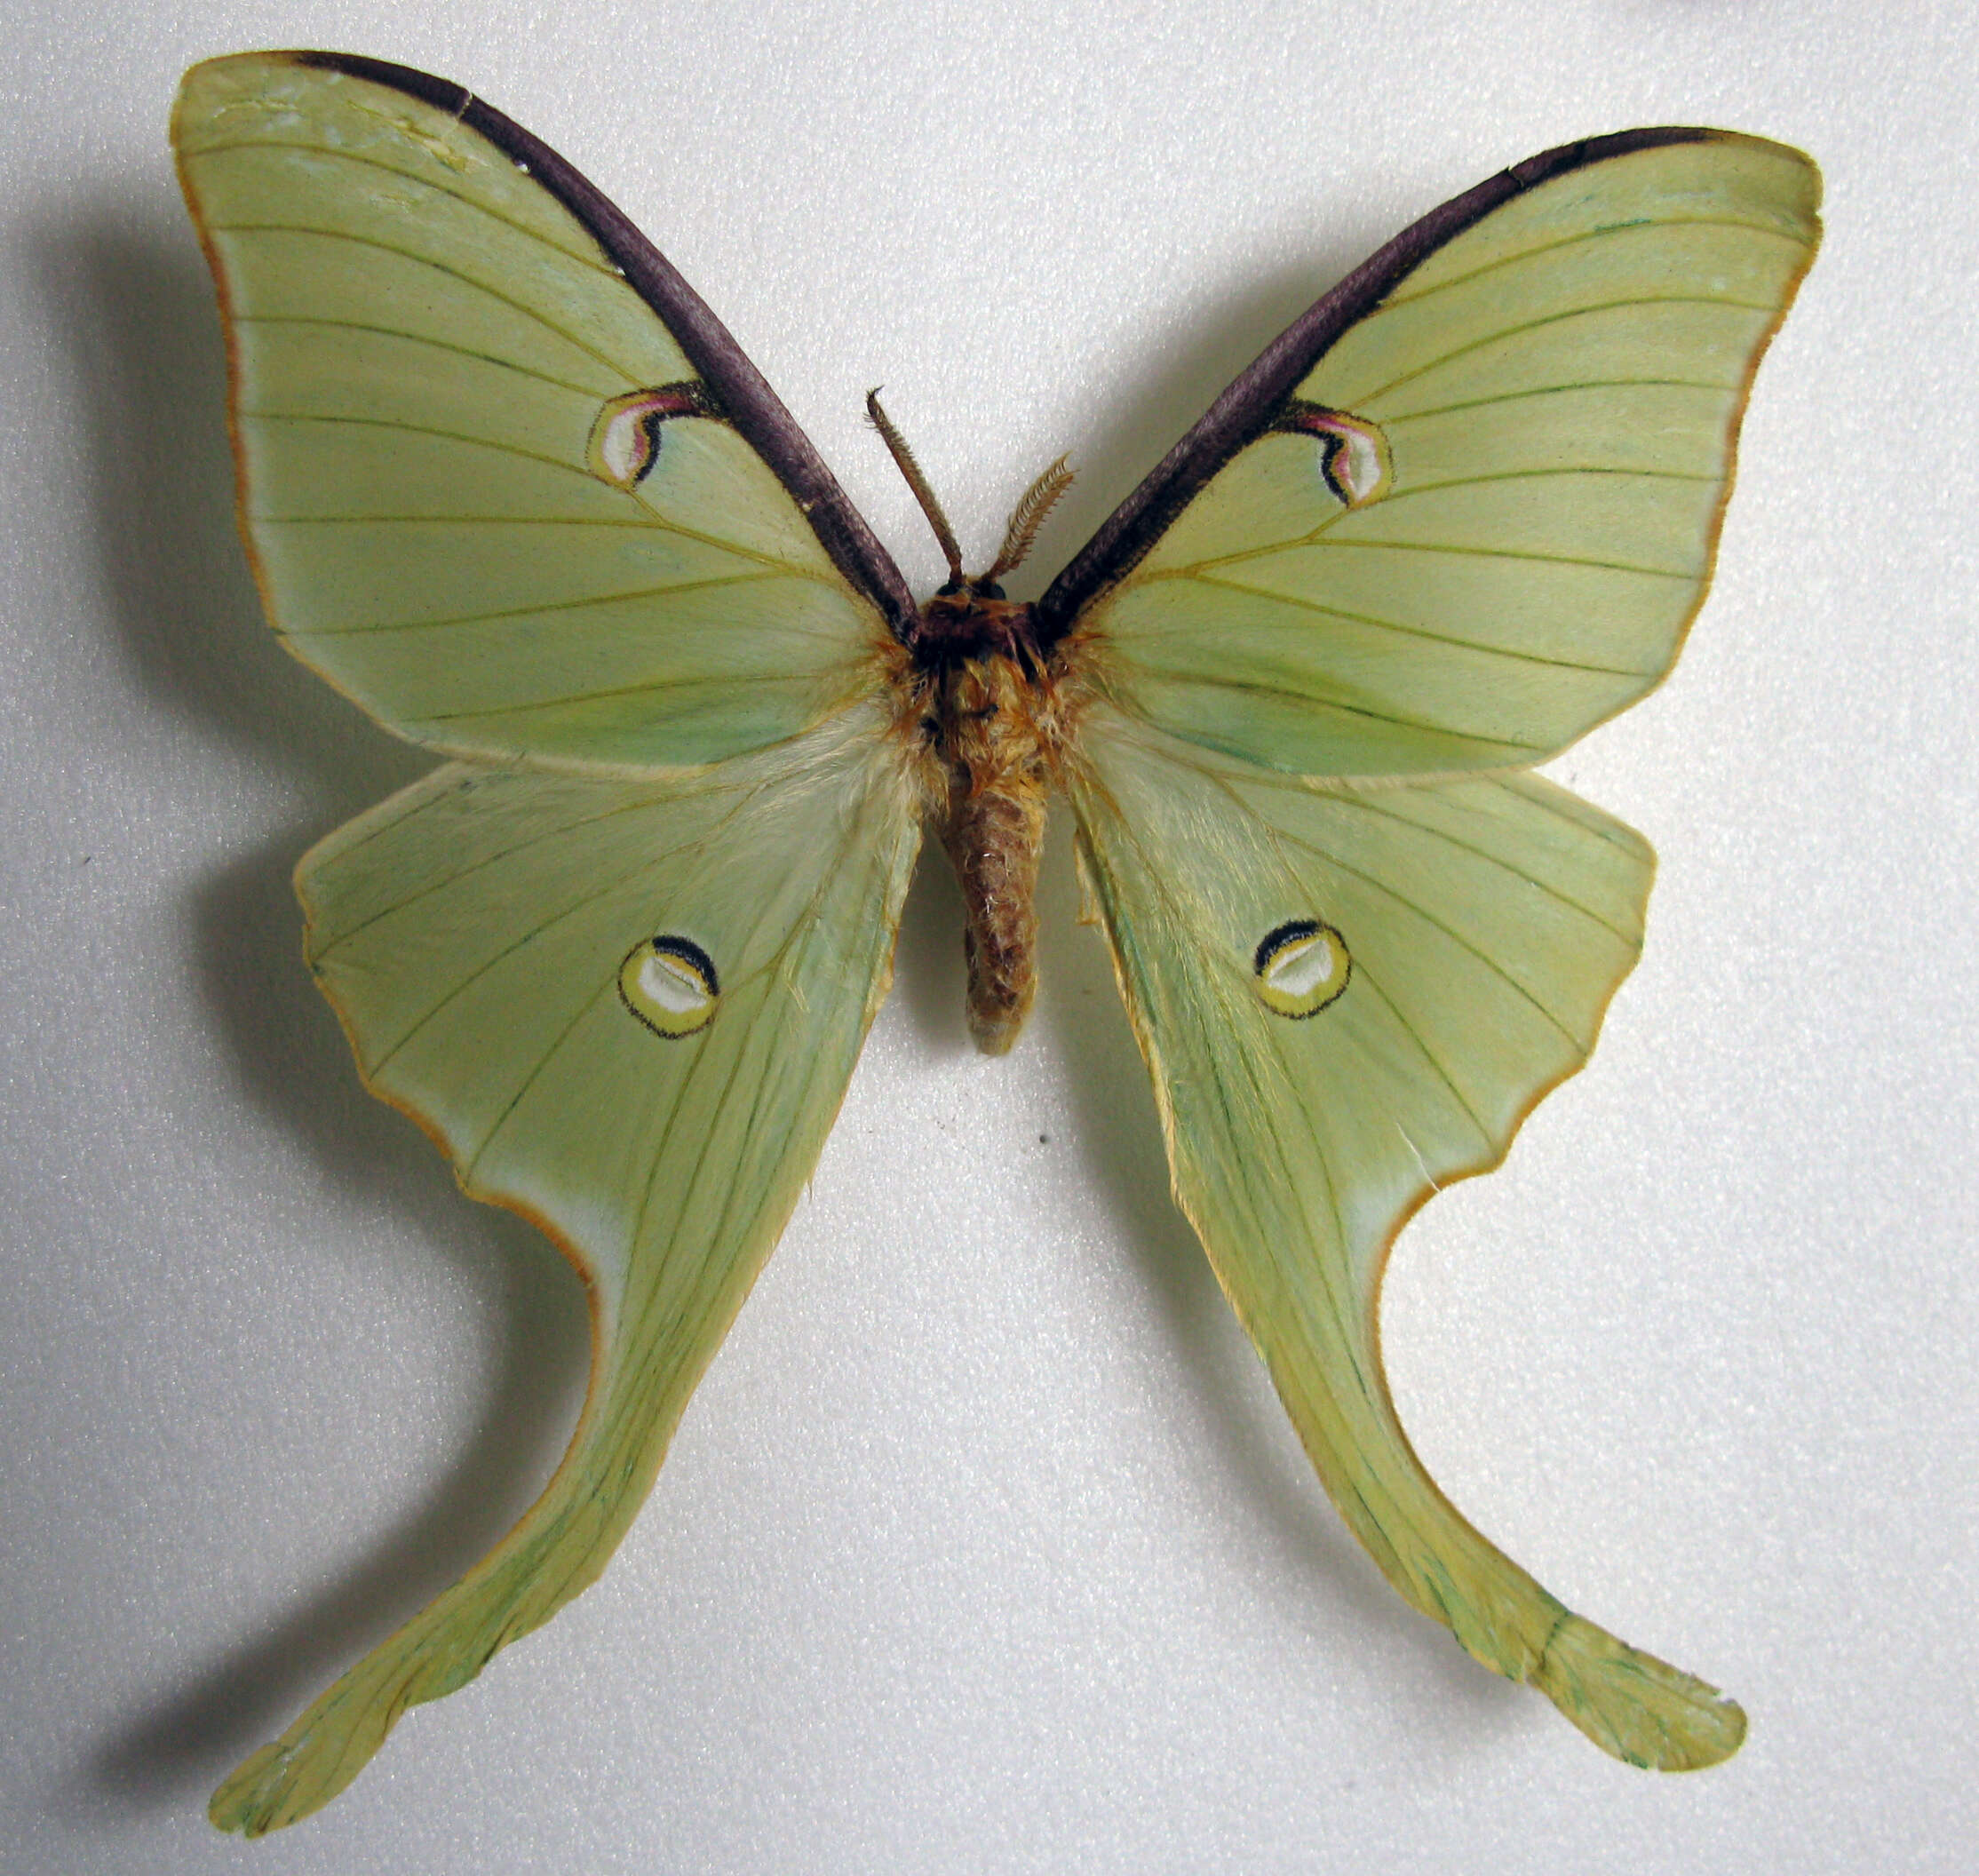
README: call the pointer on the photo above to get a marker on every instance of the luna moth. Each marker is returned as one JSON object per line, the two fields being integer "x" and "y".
{"x": 508, "y": 483}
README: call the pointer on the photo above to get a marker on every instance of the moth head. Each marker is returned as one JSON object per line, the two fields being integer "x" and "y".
{"x": 970, "y": 615}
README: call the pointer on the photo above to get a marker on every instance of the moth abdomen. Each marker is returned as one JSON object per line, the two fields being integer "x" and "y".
{"x": 993, "y": 829}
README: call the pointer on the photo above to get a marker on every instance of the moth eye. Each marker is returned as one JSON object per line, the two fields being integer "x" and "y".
{"x": 1301, "y": 966}
{"x": 670, "y": 984}
{"x": 626, "y": 439}
{"x": 1354, "y": 460}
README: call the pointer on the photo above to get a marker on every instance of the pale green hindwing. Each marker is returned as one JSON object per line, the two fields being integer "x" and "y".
{"x": 1470, "y": 933}
{"x": 1558, "y": 390}
{"x": 475, "y": 934}
{"x": 424, "y": 345}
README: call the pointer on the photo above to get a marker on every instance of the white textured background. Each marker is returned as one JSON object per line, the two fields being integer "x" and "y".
{"x": 985, "y": 1546}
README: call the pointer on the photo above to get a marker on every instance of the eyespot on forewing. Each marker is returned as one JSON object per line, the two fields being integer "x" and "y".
{"x": 1354, "y": 458}
{"x": 625, "y": 436}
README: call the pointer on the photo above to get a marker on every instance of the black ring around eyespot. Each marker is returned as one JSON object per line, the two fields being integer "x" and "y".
{"x": 649, "y": 428}
{"x": 1276, "y": 939}
{"x": 689, "y": 952}
{"x": 1332, "y": 448}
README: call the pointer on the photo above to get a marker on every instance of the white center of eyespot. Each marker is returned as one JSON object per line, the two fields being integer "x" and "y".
{"x": 1358, "y": 466}
{"x": 1303, "y": 966}
{"x": 623, "y": 446}
{"x": 620, "y": 447}
{"x": 626, "y": 435}
{"x": 1354, "y": 459}
{"x": 1300, "y": 968}
{"x": 670, "y": 984}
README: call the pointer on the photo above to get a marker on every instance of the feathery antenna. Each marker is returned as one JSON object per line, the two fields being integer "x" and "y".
{"x": 903, "y": 458}
{"x": 1028, "y": 516}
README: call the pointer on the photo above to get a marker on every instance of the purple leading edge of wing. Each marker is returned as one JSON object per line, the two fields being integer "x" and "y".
{"x": 746, "y": 398}
{"x": 1252, "y": 399}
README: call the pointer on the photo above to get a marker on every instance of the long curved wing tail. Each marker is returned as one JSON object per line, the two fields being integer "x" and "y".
{"x": 1349, "y": 996}
{"x": 628, "y": 1010}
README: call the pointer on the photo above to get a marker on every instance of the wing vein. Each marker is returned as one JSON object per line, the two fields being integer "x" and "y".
{"x": 446, "y": 881}
{"x": 595, "y": 260}
{"x": 631, "y": 595}
{"x": 662, "y": 680}
{"x": 1251, "y": 687}
{"x": 563, "y": 464}
{"x": 1412, "y": 631}
{"x": 1501, "y": 554}
{"x": 1587, "y": 384}
{"x": 1362, "y": 804}
{"x": 532, "y": 313}
{"x": 1531, "y": 475}
{"x": 1455, "y": 937}
{"x": 1279, "y": 836}
{"x": 1404, "y": 296}
{"x": 586, "y": 392}
{"x": 1367, "y": 399}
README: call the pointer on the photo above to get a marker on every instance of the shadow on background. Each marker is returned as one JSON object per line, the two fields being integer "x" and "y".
{"x": 129, "y": 295}
{"x": 929, "y": 976}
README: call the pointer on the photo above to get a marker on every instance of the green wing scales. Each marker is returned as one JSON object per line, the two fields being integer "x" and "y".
{"x": 427, "y": 347}
{"x": 1559, "y": 390}
{"x": 509, "y": 484}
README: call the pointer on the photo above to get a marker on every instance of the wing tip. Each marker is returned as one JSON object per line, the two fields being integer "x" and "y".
{"x": 1632, "y": 1706}
{"x": 1585, "y": 151}
{"x": 268, "y": 1790}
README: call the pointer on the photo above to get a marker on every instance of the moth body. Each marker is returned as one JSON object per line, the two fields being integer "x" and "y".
{"x": 986, "y": 709}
